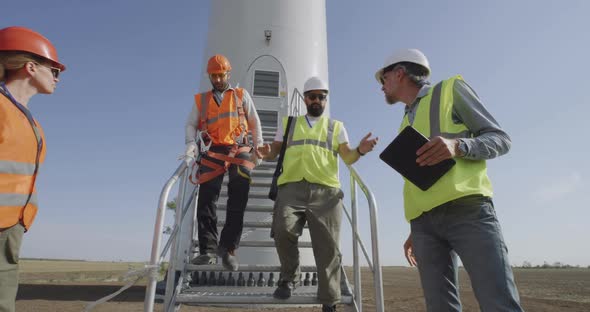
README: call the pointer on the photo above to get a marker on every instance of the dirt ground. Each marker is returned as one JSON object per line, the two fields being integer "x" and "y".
{"x": 65, "y": 286}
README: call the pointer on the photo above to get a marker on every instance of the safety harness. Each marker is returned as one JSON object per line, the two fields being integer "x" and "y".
{"x": 206, "y": 142}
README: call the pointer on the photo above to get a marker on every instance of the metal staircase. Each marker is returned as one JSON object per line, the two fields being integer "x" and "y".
{"x": 254, "y": 283}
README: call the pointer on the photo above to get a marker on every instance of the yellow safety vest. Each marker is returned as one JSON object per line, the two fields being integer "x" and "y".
{"x": 468, "y": 177}
{"x": 312, "y": 153}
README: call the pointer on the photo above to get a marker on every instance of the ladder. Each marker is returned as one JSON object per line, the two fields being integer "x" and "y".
{"x": 253, "y": 284}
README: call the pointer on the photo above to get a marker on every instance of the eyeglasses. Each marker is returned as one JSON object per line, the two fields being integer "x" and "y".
{"x": 54, "y": 70}
{"x": 382, "y": 78}
{"x": 313, "y": 96}
{"x": 390, "y": 69}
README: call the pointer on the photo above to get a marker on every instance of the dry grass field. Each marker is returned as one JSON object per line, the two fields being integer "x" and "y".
{"x": 67, "y": 286}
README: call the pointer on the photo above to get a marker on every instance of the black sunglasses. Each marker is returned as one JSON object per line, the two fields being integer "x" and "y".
{"x": 313, "y": 96}
{"x": 54, "y": 70}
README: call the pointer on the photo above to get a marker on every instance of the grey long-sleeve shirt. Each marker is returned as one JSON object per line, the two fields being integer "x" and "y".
{"x": 489, "y": 140}
{"x": 253, "y": 119}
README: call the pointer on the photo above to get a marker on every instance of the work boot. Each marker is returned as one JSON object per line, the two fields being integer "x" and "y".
{"x": 328, "y": 308}
{"x": 204, "y": 259}
{"x": 284, "y": 290}
{"x": 228, "y": 258}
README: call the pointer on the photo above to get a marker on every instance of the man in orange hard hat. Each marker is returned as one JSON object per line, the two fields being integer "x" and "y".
{"x": 28, "y": 65}
{"x": 223, "y": 116}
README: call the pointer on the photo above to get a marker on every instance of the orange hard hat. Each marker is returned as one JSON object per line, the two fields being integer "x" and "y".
{"x": 218, "y": 64}
{"x": 17, "y": 38}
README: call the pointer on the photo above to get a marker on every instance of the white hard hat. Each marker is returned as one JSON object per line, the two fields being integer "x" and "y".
{"x": 405, "y": 55}
{"x": 315, "y": 83}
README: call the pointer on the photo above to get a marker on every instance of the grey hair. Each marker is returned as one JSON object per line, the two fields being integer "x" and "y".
{"x": 417, "y": 73}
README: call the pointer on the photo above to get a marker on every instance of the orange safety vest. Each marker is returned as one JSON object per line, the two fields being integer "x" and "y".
{"x": 22, "y": 150}
{"x": 225, "y": 123}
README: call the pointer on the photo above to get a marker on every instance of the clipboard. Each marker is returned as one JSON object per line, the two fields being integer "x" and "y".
{"x": 400, "y": 154}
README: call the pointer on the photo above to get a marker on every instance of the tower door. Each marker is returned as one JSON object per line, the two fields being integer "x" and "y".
{"x": 266, "y": 81}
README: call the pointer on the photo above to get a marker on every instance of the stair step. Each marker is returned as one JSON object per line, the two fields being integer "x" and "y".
{"x": 249, "y": 208}
{"x": 266, "y": 166}
{"x": 263, "y": 172}
{"x": 265, "y": 184}
{"x": 250, "y": 224}
{"x": 246, "y": 268}
{"x": 266, "y": 129}
{"x": 253, "y": 194}
{"x": 249, "y": 295}
{"x": 253, "y": 224}
{"x": 256, "y": 181}
{"x": 270, "y": 244}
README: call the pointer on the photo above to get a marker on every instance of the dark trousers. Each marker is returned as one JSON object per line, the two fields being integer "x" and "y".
{"x": 237, "y": 190}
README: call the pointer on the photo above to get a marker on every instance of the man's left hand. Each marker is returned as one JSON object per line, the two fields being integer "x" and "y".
{"x": 257, "y": 152}
{"x": 437, "y": 150}
{"x": 367, "y": 143}
{"x": 256, "y": 156}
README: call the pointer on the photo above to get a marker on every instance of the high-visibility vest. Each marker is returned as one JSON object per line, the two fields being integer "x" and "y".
{"x": 22, "y": 151}
{"x": 312, "y": 153}
{"x": 225, "y": 123}
{"x": 468, "y": 177}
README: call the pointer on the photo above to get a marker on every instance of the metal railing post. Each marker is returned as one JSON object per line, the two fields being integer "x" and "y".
{"x": 378, "y": 277}
{"x": 294, "y": 108}
{"x": 355, "y": 250}
{"x": 150, "y": 293}
{"x": 172, "y": 263}
{"x": 377, "y": 274}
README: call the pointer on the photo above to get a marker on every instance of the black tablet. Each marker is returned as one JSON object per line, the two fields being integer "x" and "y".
{"x": 400, "y": 154}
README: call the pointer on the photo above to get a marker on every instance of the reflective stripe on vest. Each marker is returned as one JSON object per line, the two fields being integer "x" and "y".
{"x": 21, "y": 152}
{"x": 311, "y": 153}
{"x": 468, "y": 177}
{"x": 327, "y": 145}
{"x": 15, "y": 167}
{"x": 222, "y": 122}
{"x": 17, "y": 200}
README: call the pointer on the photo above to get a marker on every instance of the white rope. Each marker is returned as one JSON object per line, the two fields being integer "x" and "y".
{"x": 150, "y": 271}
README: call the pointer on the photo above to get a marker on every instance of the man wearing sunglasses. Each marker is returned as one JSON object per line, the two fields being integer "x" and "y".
{"x": 456, "y": 215}
{"x": 28, "y": 66}
{"x": 309, "y": 191}
{"x": 223, "y": 116}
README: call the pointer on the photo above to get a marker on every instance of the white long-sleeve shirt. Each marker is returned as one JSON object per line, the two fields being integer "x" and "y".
{"x": 253, "y": 119}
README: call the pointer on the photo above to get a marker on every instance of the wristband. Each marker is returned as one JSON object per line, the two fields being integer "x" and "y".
{"x": 358, "y": 150}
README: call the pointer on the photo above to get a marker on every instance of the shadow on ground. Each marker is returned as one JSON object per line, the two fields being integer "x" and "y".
{"x": 78, "y": 292}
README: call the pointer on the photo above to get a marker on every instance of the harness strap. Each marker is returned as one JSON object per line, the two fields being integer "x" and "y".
{"x": 228, "y": 160}
{"x": 241, "y": 115}
{"x": 207, "y": 176}
{"x": 203, "y": 112}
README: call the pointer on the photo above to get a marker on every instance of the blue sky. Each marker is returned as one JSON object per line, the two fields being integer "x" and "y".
{"x": 115, "y": 124}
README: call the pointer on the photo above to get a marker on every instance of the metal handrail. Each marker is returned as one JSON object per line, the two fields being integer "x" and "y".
{"x": 375, "y": 263}
{"x": 294, "y": 110}
{"x": 176, "y": 228}
{"x": 181, "y": 210}
{"x": 157, "y": 240}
